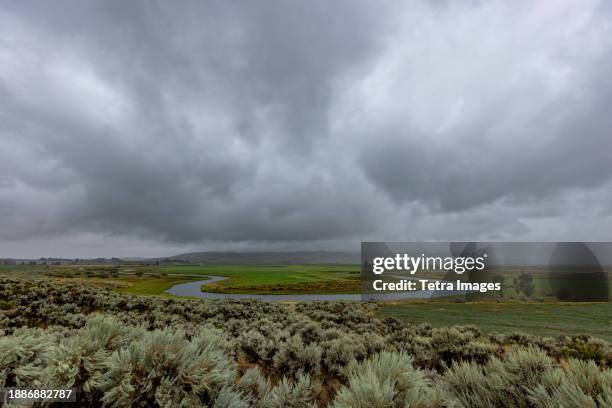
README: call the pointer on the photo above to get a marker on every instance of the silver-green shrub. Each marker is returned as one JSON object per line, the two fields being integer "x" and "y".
{"x": 163, "y": 368}
{"x": 388, "y": 379}
{"x": 122, "y": 350}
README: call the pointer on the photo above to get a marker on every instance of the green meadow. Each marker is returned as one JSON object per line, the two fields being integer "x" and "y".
{"x": 268, "y": 279}
{"x": 261, "y": 279}
{"x": 281, "y": 279}
{"x": 544, "y": 319}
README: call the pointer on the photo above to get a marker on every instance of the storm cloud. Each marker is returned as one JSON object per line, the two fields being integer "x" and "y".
{"x": 144, "y": 128}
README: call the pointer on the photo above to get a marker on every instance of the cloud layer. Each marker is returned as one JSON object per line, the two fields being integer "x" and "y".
{"x": 136, "y": 128}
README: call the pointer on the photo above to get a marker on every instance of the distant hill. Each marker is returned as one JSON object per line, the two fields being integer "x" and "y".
{"x": 300, "y": 257}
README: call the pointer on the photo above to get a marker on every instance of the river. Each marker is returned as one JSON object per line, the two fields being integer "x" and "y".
{"x": 194, "y": 289}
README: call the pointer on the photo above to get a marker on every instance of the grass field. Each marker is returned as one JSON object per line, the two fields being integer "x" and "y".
{"x": 546, "y": 319}
{"x": 279, "y": 279}
{"x": 147, "y": 285}
{"x": 261, "y": 279}
{"x": 269, "y": 279}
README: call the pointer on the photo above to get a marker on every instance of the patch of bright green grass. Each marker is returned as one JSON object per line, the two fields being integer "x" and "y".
{"x": 276, "y": 278}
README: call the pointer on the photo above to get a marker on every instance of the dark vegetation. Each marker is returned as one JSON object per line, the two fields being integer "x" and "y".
{"x": 348, "y": 285}
{"x": 125, "y": 350}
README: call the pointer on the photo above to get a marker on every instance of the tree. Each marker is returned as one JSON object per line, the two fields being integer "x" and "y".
{"x": 525, "y": 284}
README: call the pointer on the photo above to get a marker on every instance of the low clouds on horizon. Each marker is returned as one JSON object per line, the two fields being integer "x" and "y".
{"x": 148, "y": 128}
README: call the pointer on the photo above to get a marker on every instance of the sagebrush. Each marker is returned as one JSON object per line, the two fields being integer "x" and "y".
{"x": 121, "y": 350}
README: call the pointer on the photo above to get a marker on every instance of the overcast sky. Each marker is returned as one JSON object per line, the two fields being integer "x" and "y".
{"x": 142, "y": 128}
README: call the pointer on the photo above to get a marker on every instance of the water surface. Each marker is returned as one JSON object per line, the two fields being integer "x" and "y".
{"x": 193, "y": 289}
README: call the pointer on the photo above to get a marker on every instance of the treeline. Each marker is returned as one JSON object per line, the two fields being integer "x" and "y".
{"x": 120, "y": 350}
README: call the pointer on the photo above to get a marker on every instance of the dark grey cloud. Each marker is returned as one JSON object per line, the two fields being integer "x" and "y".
{"x": 142, "y": 127}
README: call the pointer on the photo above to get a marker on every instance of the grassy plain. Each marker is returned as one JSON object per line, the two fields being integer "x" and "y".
{"x": 279, "y": 279}
{"x": 150, "y": 285}
{"x": 264, "y": 279}
{"x": 269, "y": 279}
{"x": 545, "y": 319}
